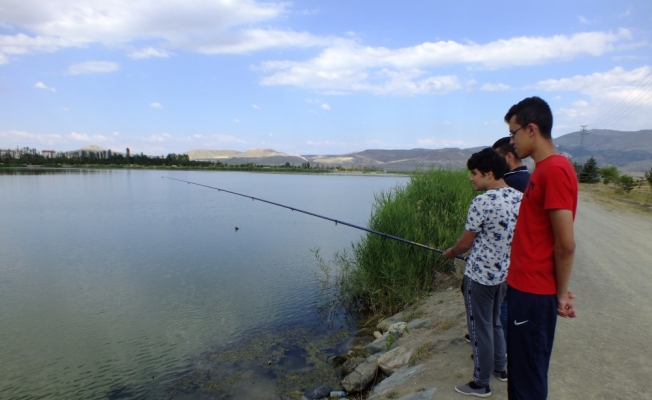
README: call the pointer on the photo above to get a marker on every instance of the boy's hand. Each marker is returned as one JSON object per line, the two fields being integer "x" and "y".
{"x": 565, "y": 306}
{"x": 449, "y": 253}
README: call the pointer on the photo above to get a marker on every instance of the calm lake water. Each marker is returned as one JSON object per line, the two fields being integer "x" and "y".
{"x": 115, "y": 279}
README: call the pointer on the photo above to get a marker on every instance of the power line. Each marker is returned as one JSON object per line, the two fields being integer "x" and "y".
{"x": 625, "y": 115}
{"x": 606, "y": 117}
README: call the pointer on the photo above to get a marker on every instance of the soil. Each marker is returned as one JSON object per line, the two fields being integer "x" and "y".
{"x": 605, "y": 353}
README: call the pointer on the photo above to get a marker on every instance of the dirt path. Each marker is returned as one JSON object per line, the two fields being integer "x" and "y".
{"x": 606, "y": 353}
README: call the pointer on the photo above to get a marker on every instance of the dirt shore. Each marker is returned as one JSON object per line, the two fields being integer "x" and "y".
{"x": 605, "y": 353}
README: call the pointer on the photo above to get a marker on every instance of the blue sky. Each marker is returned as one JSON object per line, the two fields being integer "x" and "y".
{"x": 313, "y": 77}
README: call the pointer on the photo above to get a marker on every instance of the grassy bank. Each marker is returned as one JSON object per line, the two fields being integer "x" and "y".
{"x": 383, "y": 275}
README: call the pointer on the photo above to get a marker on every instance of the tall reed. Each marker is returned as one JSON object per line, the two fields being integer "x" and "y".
{"x": 385, "y": 275}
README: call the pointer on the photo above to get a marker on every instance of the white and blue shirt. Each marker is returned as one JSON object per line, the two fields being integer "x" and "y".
{"x": 492, "y": 215}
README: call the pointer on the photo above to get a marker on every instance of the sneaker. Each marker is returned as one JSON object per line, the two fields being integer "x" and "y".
{"x": 501, "y": 376}
{"x": 471, "y": 389}
{"x": 467, "y": 338}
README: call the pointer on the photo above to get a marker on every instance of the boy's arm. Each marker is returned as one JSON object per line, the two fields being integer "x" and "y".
{"x": 463, "y": 245}
{"x": 564, "y": 252}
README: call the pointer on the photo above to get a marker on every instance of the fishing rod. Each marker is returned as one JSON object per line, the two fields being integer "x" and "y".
{"x": 385, "y": 235}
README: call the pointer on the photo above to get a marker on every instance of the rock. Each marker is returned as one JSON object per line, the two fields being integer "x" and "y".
{"x": 351, "y": 364}
{"x": 422, "y": 395}
{"x": 377, "y": 335}
{"x": 397, "y": 329}
{"x": 394, "y": 359}
{"x": 377, "y": 345}
{"x": 336, "y": 361}
{"x": 363, "y": 332}
{"x": 387, "y": 322}
{"x": 363, "y": 375}
{"x": 402, "y": 374}
{"x": 358, "y": 344}
{"x": 417, "y": 324}
{"x": 321, "y": 392}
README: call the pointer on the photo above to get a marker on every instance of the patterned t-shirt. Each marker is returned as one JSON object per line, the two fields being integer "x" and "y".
{"x": 492, "y": 215}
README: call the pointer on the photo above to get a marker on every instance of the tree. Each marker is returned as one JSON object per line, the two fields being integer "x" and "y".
{"x": 648, "y": 176}
{"x": 627, "y": 183}
{"x": 590, "y": 172}
{"x": 609, "y": 174}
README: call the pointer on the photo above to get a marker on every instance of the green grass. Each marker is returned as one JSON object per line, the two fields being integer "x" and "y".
{"x": 384, "y": 275}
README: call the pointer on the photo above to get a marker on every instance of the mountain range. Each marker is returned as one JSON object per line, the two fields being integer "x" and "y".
{"x": 629, "y": 151}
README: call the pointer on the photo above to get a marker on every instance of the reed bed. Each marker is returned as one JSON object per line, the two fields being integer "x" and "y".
{"x": 383, "y": 275}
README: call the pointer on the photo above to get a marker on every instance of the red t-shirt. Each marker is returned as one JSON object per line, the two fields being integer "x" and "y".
{"x": 553, "y": 185}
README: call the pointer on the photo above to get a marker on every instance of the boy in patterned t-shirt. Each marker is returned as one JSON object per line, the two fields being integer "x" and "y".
{"x": 488, "y": 233}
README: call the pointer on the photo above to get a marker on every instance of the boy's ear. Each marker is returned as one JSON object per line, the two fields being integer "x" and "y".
{"x": 509, "y": 157}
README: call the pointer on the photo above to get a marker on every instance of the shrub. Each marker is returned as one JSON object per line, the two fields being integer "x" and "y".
{"x": 609, "y": 174}
{"x": 386, "y": 275}
{"x": 627, "y": 183}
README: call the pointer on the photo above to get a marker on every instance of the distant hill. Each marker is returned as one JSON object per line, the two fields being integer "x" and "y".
{"x": 629, "y": 151}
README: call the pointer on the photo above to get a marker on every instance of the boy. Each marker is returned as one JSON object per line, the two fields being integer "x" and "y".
{"x": 488, "y": 233}
{"x": 542, "y": 251}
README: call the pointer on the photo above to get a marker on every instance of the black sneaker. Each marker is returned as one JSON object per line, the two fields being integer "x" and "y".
{"x": 501, "y": 376}
{"x": 467, "y": 338}
{"x": 471, "y": 389}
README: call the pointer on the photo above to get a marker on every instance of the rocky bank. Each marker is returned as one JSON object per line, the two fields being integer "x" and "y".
{"x": 421, "y": 354}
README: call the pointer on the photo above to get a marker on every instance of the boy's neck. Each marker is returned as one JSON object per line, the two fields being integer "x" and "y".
{"x": 500, "y": 183}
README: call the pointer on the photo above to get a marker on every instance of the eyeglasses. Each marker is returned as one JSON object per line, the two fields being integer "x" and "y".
{"x": 512, "y": 133}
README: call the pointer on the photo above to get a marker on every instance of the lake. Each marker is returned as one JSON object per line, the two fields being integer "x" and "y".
{"x": 113, "y": 281}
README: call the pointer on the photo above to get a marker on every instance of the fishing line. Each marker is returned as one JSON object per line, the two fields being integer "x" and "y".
{"x": 385, "y": 235}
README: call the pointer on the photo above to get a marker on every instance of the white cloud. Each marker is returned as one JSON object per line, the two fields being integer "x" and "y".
{"x": 78, "y": 136}
{"x": 325, "y": 107}
{"x": 42, "y": 85}
{"x": 66, "y": 109}
{"x": 157, "y": 138}
{"x": 617, "y": 98}
{"x": 626, "y": 13}
{"x": 256, "y": 107}
{"x": 22, "y": 138}
{"x": 237, "y": 121}
{"x": 82, "y": 137}
{"x": 583, "y": 20}
{"x": 220, "y": 26}
{"x": 115, "y": 133}
{"x": 148, "y": 53}
{"x": 438, "y": 142}
{"x": 156, "y": 105}
{"x": 270, "y": 134}
{"x": 495, "y": 87}
{"x": 349, "y": 66}
{"x": 93, "y": 67}
{"x": 616, "y": 83}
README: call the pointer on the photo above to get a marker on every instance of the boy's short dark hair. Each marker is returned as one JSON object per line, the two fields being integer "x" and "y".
{"x": 532, "y": 110}
{"x": 503, "y": 146}
{"x": 487, "y": 160}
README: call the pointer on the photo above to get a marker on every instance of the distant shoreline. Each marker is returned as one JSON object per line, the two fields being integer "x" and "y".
{"x": 343, "y": 172}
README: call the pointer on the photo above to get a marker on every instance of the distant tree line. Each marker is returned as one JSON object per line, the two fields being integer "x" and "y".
{"x": 108, "y": 159}
{"x": 589, "y": 172}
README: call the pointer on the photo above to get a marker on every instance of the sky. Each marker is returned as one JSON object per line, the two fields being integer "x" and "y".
{"x": 314, "y": 77}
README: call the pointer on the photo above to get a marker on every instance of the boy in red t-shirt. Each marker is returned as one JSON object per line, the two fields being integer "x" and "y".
{"x": 542, "y": 251}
